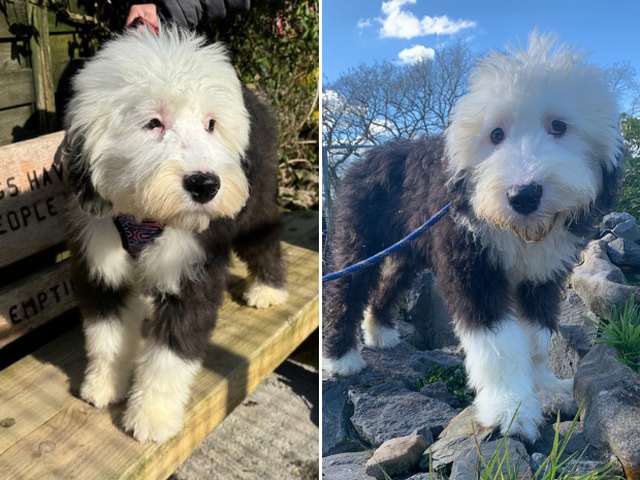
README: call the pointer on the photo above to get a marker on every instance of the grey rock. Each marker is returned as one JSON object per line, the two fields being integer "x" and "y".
{"x": 395, "y": 456}
{"x": 426, "y": 433}
{"x": 408, "y": 333}
{"x": 615, "y": 218}
{"x": 389, "y": 410}
{"x": 536, "y": 461}
{"x": 572, "y": 309}
{"x": 468, "y": 465}
{"x": 579, "y": 466}
{"x": 576, "y": 443}
{"x": 345, "y": 466}
{"x": 439, "y": 391}
{"x": 628, "y": 230}
{"x": 402, "y": 365}
{"x": 338, "y": 435}
{"x": 610, "y": 392}
{"x": 418, "y": 476}
{"x": 568, "y": 345}
{"x": 460, "y": 435}
{"x": 624, "y": 252}
{"x": 429, "y": 314}
{"x": 574, "y": 337}
{"x": 608, "y": 237}
{"x": 598, "y": 282}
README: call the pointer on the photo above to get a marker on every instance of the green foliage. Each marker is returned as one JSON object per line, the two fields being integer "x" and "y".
{"x": 630, "y": 191}
{"x": 275, "y": 49}
{"x": 621, "y": 329}
{"x": 454, "y": 377}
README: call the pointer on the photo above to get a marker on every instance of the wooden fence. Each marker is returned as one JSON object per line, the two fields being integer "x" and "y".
{"x": 39, "y": 51}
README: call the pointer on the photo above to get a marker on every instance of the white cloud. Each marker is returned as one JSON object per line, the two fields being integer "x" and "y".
{"x": 401, "y": 24}
{"x": 416, "y": 53}
{"x": 362, "y": 24}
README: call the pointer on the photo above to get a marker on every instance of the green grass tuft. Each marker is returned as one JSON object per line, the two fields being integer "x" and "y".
{"x": 454, "y": 377}
{"x": 621, "y": 329}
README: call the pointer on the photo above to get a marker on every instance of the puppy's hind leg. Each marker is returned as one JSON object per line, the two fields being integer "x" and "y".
{"x": 260, "y": 248}
{"x": 397, "y": 276}
{"x": 344, "y": 301}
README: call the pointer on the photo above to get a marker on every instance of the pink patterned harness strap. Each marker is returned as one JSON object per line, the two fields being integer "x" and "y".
{"x": 136, "y": 236}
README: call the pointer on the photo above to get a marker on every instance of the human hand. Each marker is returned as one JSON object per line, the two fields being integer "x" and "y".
{"x": 148, "y": 11}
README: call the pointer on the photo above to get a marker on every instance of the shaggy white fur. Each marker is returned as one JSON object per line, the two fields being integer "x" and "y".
{"x": 160, "y": 391}
{"x": 522, "y": 94}
{"x": 124, "y": 89}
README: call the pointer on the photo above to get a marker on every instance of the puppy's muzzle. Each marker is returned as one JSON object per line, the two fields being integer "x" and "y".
{"x": 525, "y": 199}
{"x": 202, "y": 186}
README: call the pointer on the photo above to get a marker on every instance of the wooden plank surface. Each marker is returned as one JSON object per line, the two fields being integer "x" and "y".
{"x": 34, "y": 300}
{"x": 52, "y": 434}
{"x": 30, "y": 198}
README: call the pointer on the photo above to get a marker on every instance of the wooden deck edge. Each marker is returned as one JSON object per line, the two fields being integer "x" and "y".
{"x": 63, "y": 440}
{"x": 203, "y": 418}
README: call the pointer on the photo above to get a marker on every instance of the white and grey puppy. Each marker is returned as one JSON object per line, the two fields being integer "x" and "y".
{"x": 171, "y": 165}
{"x": 532, "y": 157}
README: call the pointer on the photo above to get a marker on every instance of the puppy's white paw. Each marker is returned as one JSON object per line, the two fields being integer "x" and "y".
{"x": 556, "y": 395}
{"x": 104, "y": 390}
{"x": 499, "y": 411}
{"x": 260, "y": 295}
{"x": 152, "y": 422}
{"x": 349, "y": 364}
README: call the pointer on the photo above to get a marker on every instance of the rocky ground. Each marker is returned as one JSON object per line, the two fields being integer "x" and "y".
{"x": 380, "y": 418}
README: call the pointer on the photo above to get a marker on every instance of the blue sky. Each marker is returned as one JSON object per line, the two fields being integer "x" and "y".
{"x": 610, "y": 29}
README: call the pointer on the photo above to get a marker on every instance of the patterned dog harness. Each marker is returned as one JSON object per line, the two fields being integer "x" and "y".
{"x": 135, "y": 236}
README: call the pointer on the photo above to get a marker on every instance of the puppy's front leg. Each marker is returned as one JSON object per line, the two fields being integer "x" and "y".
{"x": 176, "y": 341}
{"x": 498, "y": 361}
{"x": 112, "y": 311}
{"x": 500, "y": 370}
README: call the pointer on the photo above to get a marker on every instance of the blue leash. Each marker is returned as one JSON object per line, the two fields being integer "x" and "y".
{"x": 392, "y": 249}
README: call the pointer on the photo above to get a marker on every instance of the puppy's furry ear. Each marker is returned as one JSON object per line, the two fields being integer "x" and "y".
{"x": 611, "y": 182}
{"x": 79, "y": 177}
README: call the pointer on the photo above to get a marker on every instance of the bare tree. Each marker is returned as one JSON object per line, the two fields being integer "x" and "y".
{"x": 621, "y": 77}
{"x": 373, "y": 104}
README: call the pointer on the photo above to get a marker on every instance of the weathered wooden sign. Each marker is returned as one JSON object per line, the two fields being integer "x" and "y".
{"x": 31, "y": 208}
{"x": 31, "y": 198}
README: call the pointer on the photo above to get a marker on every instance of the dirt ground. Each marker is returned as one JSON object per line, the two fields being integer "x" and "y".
{"x": 273, "y": 434}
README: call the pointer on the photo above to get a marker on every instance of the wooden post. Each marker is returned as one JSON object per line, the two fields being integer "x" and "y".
{"x": 45, "y": 103}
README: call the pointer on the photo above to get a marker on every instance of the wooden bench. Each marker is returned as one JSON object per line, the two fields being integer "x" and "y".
{"x": 45, "y": 430}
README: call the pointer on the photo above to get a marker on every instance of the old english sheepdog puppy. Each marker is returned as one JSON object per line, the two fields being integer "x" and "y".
{"x": 532, "y": 157}
{"x": 171, "y": 166}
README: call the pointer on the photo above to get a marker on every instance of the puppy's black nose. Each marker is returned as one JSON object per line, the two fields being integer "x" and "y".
{"x": 525, "y": 199}
{"x": 202, "y": 186}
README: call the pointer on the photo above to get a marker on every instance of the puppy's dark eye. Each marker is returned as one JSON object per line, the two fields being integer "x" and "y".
{"x": 497, "y": 136}
{"x": 558, "y": 128}
{"x": 210, "y": 125}
{"x": 153, "y": 124}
